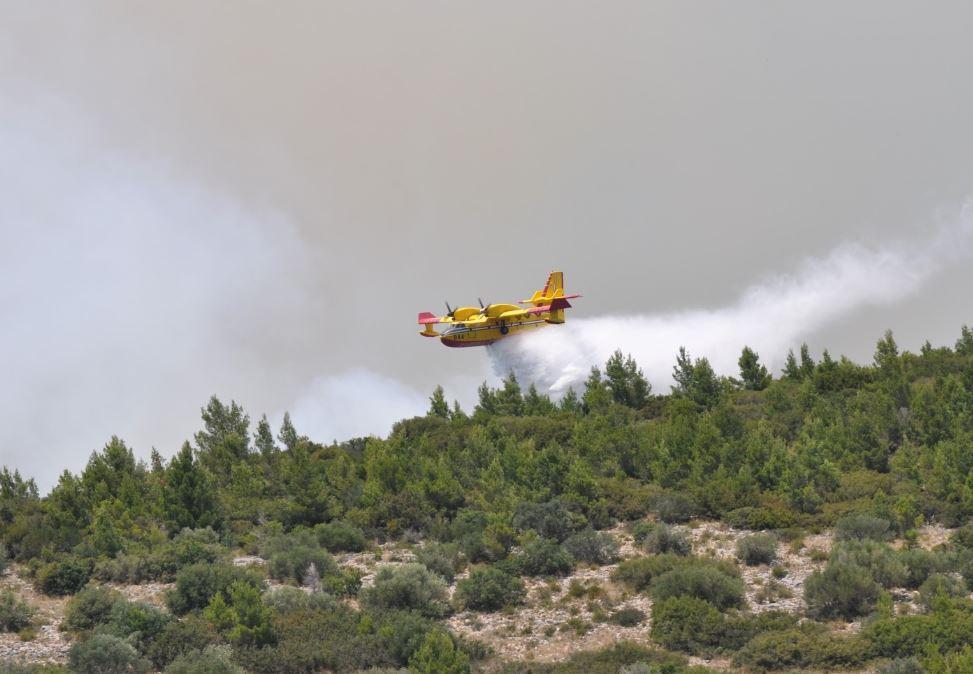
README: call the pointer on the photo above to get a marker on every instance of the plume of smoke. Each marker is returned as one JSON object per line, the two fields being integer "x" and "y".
{"x": 771, "y": 317}
{"x": 353, "y": 404}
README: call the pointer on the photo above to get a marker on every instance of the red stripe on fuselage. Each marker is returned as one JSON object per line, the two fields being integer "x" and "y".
{"x": 459, "y": 343}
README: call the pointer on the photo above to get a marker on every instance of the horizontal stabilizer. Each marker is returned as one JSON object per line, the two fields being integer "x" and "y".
{"x": 427, "y": 318}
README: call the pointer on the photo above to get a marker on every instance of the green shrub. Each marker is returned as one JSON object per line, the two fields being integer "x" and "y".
{"x": 628, "y": 616}
{"x": 637, "y": 573}
{"x": 686, "y": 623}
{"x": 901, "y": 666}
{"x": 842, "y": 589}
{"x": 106, "y": 654}
{"x": 196, "y": 584}
{"x": 940, "y": 585}
{"x": 439, "y": 655}
{"x": 64, "y": 576}
{"x": 963, "y": 537}
{"x": 707, "y": 582}
{"x": 624, "y": 656}
{"x": 884, "y": 564}
{"x": 4, "y": 557}
{"x": 951, "y": 663}
{"x": 659, "y": 538}
{"x": 441, "y": 558}
{"x": 673, "y": 508}
{"x": 489, "y": 589}
{"x": 15, "y": 614}
{"x": 757, "y": 549}
{"x": 402, "y": 633}
{"x": 593, "y": 547}
{"x": 758, "y": 519}
{"x": 179, "y": 637}
{"x": 862, "y": 526}
{"x": 293, "y": 562}
{"x": 553, "y": 519}
{"x": 211, "y": 660}
{"x": 908, "y": 636}
{"x": 286, "y": 599}
{"x": 545, "y": 557}
{"x": 920, "y": 564}
{"x": 410, "y": 587}
{"x": 136, "y": 622}
{"x": 802, "y": 647}
{"x": 340, "y": 536}
{"x": 89, "y": 608}
{"x": 192, "y": 546}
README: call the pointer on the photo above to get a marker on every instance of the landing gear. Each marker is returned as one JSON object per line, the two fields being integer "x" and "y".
{"x": 504, "y": 329}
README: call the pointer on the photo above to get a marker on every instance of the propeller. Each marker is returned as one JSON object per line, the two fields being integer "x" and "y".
{"x": 449, "y": 310}
{"x": 481, "y": 303}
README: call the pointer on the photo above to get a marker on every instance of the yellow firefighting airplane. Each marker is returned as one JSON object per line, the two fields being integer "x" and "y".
{"x": 472, "y": 326}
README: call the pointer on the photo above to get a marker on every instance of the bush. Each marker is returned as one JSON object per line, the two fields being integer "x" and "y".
{"x": 884, "y": 564}
{"x": 179, "y": 637}
{"x": 4, "y": 557}
{"x": 808, "y": 647}
{"x": 593, "y": 547}
{"x": 441, "y": 558}
{"x": 686, "y": 624}
{"x": 707, "y": 582}
{"x": 106, "y": 654}
{"x": 402, "y": 633}
{"x": 192, "y": 546}
{"x": 553, "y": 519}
{"x": 89, "y": 608}
{"x": 902, "y": 666}
{"x": 211, "y": 660}
{"x": 196, "y": 584}
{"x": 545, "y": 557}
{"x": 628, "y": 616}
{"x": 286, "y": 599}
{"x": 340, "y": 537}
{"x": 862, "y": 527}
{"x": 15, "y": 614}
{"x": 842, "y": 590}
{"x": 293, "y": 563}
{"x": 963, "y": 537}
{"x": 673, "y": 508}
{"x": 919, "y": 564}
{"x": 757, "y": 549}
{"x": 439, "y": 655}
{"x": 489, "y": 589}
{"x": 136, "y": 622}
{"x": 940, "y": 585}
{"x": 757, "y": 519}
{"x": 637, "y": 573}
{"x": 65, "y": 576}
{"x": 410, "y": 587}
{"x": 659, "y": 538}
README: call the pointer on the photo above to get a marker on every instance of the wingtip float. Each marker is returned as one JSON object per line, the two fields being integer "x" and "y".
{"x": 484, "y": 325}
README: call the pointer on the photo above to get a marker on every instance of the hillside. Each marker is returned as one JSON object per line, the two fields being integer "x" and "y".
{"x": 818, "y": 519}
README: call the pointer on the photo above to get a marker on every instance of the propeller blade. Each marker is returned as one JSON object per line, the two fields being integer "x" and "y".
{"x": 449, "y": 310}
{"x": 481, "y": 303}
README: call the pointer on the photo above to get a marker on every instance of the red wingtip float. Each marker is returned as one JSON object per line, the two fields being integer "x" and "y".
{"x": 483, "y": 325}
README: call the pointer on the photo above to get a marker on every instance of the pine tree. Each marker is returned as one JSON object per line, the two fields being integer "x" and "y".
{"x": 596, "y": 396}
{"x": 628, "y": 385}
{"x": 287, "y": 434}
{"x": 791, "y": 369}
{"x": 887, "y": 353}
{"x": 487, "y": 404}
{"x": 438, "y": 407}
{"x": 536, "y": 404}
{"x": 807, "y": 363}
{"x": 754, "y": 375}
{"x": 964, "y": 345}
{"x": 188, "y": 498}
{"x": 509, "y": 399}
{"x": 438, "y": 655}
{"x": 570, "y": 402}
{"x": 682, "y": 372}
{"x": 263, "y": 439}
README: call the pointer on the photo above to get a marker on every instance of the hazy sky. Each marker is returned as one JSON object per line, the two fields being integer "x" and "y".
{"x": 255, "y": 199}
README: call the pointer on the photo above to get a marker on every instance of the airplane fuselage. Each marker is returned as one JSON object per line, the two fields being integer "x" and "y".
{"x": 484, "y": 335}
